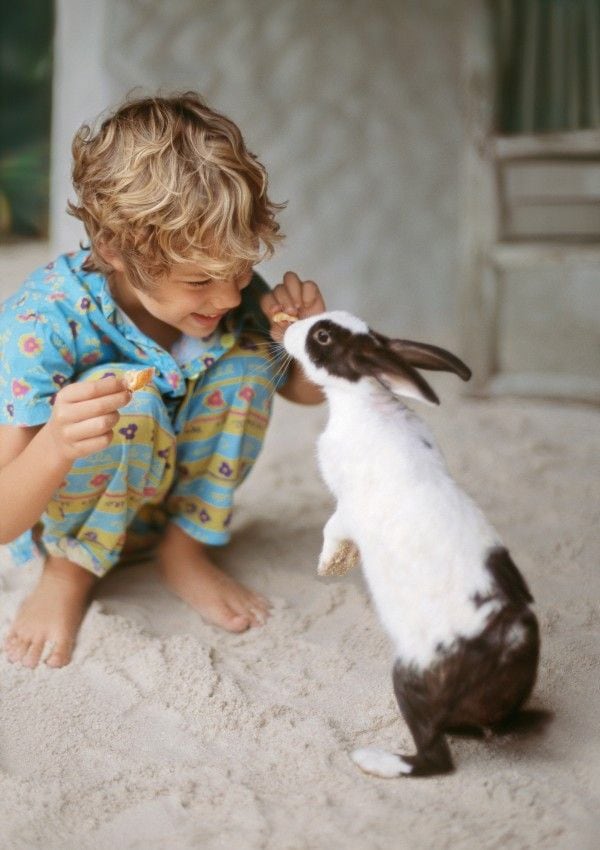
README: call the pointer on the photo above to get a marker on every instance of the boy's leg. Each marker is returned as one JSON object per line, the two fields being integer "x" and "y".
{"x": 188, "y": 569}
{"x": 83, "y": 530}
{"x": 220, "y": 430}
{"x": 52, "y": 613}
{"x": 90, "y": 519}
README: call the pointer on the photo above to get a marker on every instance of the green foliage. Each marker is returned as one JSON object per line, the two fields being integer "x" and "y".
{"x": 26, "y": 32}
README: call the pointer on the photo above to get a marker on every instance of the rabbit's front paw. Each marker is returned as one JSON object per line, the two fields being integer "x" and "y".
{"x": 345, "y": 557}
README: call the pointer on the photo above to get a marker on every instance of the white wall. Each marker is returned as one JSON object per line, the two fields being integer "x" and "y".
{"x": 353, "y": 106}
{"x": 81, "y": 89}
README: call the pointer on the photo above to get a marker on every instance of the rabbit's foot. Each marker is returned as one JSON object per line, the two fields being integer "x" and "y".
{"x": 380, "y": 763}
{"x": 431, "y": 760}
{"x": 345, "y": 558}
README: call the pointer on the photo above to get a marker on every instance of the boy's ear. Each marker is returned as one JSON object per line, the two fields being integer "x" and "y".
{"x": 110, "y": 256}
{"x": 393, "y": 372}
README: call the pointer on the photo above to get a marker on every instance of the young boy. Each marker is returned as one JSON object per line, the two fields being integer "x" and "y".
{"x": 177, "y": 213}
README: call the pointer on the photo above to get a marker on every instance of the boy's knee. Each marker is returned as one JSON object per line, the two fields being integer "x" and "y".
{"x": 249, "y": 359}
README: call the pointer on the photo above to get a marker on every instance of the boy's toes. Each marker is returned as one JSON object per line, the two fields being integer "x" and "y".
{"x": 33, "y": 654}
{"x": 222, "y": 615}
{"x": 16, "y": 647}
{"x": 259, "y": 609}
{"x": 234, "y": 621}
{"x": 239, "y": 623}
{"x": 61, "y": 654}
{"x": 8, "y": 642}
{"x": 258, "y": 615}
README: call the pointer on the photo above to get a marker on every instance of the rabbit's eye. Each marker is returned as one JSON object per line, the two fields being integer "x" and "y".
{"x": 322, "y": 337}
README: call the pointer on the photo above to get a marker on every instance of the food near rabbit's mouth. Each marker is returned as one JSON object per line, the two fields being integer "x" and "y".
{"x": 138, "y": 378}
{"x": 284, "y": 317}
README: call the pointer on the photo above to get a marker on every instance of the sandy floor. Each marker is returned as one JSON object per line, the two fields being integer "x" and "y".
{"x": 165, "y": 732}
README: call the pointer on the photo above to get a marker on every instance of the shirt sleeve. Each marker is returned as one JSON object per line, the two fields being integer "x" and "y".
{"x": 37, "y": 358}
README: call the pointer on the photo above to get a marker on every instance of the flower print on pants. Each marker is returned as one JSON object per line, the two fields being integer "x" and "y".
{"x": 129, "y": 431}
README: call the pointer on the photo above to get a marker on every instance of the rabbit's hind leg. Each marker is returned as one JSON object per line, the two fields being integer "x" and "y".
{"x": 425, "y": 717}
{"x": 424, "y": 711}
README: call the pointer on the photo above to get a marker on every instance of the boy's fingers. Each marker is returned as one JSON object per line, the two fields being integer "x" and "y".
{"x": 293, "y": 296}
{"x": 284, "y": 298}
{"x": 312, "y": 299}
{"x": 85, "y": 390}
{"x": 310, "y": 291}
{"x": 293, "y": 286}
{"x": 78, "y": 432}
{"x": 276, "y": 302}
{"x": 269, "y": 304}
{"x": 80, "y": 411}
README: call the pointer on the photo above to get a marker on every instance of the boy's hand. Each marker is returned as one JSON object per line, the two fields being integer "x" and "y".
{"x": 301, "y": 298}
{"x": 84, "y": 414}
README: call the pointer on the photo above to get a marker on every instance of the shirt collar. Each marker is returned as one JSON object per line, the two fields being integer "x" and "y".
{"x": 95, "y": 282}
{"x": 105, "y": 298}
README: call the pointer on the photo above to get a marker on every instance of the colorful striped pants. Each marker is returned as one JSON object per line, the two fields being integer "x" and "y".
{"x": 178, "y": 460}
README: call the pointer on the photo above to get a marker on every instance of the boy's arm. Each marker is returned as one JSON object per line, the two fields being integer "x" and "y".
{"x": 33, "y": 464}
{"x": 30, "y": 473}
{"x": 301, "y": 298}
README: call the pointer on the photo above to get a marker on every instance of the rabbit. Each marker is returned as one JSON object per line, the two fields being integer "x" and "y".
{"x": 450, "y": 597}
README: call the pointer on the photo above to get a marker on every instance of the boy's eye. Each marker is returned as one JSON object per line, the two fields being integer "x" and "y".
{"x": 198, "y": 282}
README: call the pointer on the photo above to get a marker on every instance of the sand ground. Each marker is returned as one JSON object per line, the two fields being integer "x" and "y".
{"x": 167, "y": 733}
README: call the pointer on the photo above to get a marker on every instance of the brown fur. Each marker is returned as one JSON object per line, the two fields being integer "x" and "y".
{"x": 477, "y": 682}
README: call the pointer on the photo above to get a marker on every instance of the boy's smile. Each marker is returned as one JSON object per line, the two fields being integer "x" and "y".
{"x": 204, "y": 320}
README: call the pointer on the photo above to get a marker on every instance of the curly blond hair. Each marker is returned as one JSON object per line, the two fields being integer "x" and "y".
{"x": 167, "y": 180}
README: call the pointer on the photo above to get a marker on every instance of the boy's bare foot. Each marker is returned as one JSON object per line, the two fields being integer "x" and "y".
{"x": 185, "y": 566}
{"x": 52, "y": 613}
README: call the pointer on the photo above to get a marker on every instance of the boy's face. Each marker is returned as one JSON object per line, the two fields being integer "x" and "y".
{"x": 186, "y": 299}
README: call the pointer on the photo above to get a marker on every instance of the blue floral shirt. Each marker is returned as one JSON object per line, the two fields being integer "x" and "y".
{"x": 64, "y": 320}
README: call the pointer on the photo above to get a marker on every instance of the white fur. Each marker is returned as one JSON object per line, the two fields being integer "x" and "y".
{"x": 422, "y": 540}
{"x": 380, "y": 763}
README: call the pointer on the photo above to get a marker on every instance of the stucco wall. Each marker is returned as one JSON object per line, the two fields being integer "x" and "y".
{"x": 353, "y": 106}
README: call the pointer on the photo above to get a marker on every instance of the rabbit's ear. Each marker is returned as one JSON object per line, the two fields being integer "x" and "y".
{"x": 425, "y": 356}
{"x": 394, "y": 373}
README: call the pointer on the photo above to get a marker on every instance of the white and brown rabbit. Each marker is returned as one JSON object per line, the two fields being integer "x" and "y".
{"x": 454, "y": 604}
